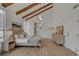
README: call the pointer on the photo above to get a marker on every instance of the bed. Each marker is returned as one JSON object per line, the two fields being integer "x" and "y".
{"x": 23, "y": 39}
{"x": 29, "y": 41}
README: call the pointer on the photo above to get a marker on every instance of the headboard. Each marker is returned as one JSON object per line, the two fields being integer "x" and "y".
{"x": 16, "y": 28}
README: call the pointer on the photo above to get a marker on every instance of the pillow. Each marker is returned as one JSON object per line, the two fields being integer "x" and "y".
{"x": 25, "y": 36}
{"x": 16, "y": 36}
{"x": 22, "y": 36}
{"x": 19, "y": 36}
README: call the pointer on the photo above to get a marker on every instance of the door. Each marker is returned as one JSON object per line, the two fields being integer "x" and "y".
{"x": 36, "y": 29}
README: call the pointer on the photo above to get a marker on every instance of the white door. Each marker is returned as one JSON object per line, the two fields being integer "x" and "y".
{"x": 36, "y": 29}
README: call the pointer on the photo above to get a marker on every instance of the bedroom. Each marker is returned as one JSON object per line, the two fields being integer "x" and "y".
{"x": 41, "y": 21}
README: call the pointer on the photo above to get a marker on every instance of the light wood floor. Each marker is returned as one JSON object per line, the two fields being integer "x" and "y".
{"x": 49, "y": 48}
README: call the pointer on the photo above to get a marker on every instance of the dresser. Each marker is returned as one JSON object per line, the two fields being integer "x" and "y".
{"x": 58, "y": 35}
{"x": 59, "y": 39}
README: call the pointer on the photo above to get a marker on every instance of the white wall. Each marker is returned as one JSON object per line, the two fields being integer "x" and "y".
{"x": 64, "y": 14}
{"x": 29, "y": 25}
{"x": 46, "y": 23}
{"x": 12, "y": 17}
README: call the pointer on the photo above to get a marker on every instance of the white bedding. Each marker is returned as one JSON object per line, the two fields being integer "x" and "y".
{"x": 30, "y": 41}
{"x": 22, "y": 41}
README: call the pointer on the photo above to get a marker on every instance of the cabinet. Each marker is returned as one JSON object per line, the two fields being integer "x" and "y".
{"x": 59, "y": 39}
{"x": 11, "y": 43}
{"x": 58, "y": 35}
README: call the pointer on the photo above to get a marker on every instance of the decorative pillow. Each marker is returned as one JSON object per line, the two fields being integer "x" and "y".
{"x": 21, "y": 36}
{"x": 16, "y": 36}
{"x": 26, "y": 36}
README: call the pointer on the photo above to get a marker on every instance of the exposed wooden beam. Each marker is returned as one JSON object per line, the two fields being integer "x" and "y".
{"x": 26, "y": 8}
{"x": 6, "y": 4}
{"x": 36, "y": 10}
{"x": 40, "y": 12}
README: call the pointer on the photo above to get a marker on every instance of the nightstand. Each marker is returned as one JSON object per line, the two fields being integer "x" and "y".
{"x": 11, "y": 43}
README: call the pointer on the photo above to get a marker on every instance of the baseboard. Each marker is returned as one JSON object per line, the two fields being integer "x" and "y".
{"x": 44, "y": 38}
{"x": 71, "y": 51}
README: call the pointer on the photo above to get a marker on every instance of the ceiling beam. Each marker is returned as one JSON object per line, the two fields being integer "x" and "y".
{"x": 26, "y": 8}
{"x": 6, "y": 4}
{"x": 40, "y": 12}
{"x": 36, "y": 10}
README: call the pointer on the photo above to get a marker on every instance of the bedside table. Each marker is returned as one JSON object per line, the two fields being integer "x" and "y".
{"x": 11, "y": 45}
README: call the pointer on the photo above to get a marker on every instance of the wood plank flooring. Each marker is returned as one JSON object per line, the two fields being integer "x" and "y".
{"x": 49, "y": 48}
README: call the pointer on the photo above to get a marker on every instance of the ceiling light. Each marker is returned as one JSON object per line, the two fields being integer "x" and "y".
{"x": 40, "y": 18}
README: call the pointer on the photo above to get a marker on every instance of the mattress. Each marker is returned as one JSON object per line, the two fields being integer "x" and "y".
{"x": 22, "y": 40}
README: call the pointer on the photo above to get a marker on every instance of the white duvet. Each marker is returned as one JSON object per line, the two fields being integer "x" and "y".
{"x": 22, "y": 40}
